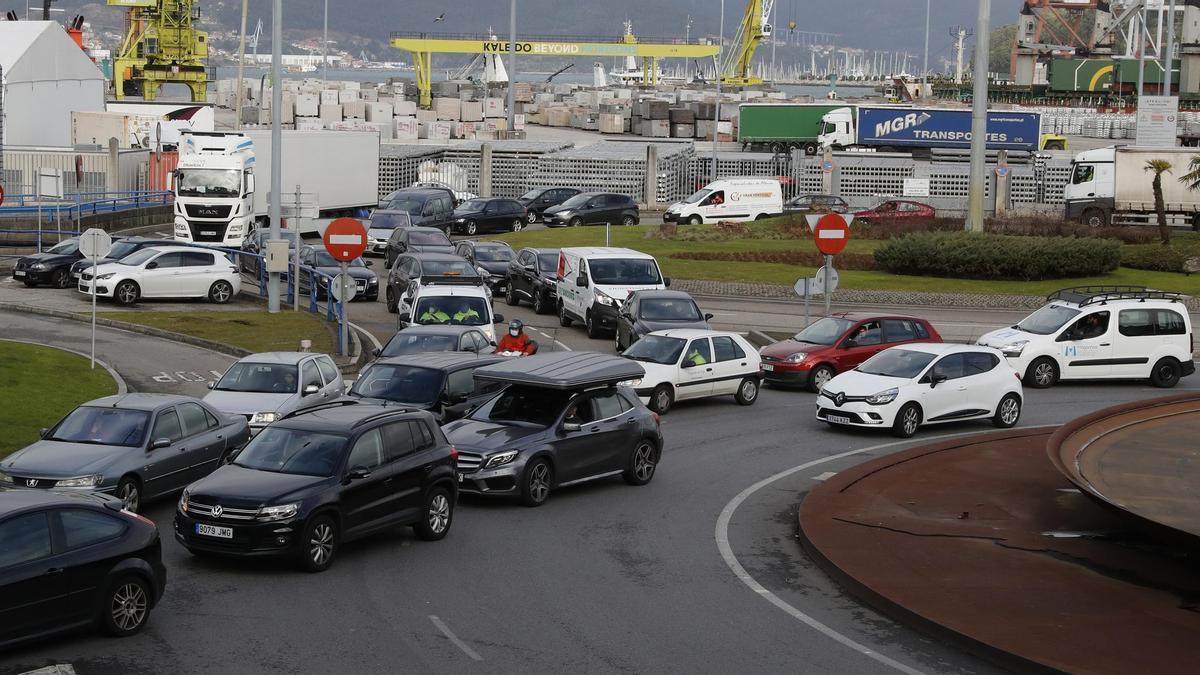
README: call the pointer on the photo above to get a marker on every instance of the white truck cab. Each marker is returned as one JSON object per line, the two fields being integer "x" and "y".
{"x": 734, "y": 199}
{"x": 837, "y": 129}
{"x": 214, "y": 188}
{"x": 1099, "y": 333}
{"x": 593, "y": 282}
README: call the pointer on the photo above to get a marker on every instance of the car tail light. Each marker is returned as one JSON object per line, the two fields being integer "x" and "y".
{"x": 657, "y": 418}
{"x": 138, "y": 516}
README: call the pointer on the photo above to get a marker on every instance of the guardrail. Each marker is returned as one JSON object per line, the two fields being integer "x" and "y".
{"x": 84, "y": 203}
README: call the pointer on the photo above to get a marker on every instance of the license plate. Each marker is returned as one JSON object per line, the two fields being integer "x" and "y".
{"x": 838, "y": 419}
{"x": 768, "y": 367}
{"x": 18, "y": 273}
{"x": 209, "y": 233}
{"x": 214, "y": 531}
{"x": 76, "y": 274}
{"x": 460, "y": 477}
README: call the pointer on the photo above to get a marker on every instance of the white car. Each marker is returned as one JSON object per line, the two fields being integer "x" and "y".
{"x": 924, "y": 383}
{"x": 165, "y": 272}
{"x": 686, "y": 363}
{"x": 453, "y": 305}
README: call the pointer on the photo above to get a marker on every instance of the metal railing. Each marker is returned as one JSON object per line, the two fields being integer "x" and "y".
{"x": 84, "y": 203}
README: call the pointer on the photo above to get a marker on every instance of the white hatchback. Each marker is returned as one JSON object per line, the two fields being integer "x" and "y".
{"x": 904, "y": 387}
{"x": 683, "y": 364}
{"x": 165, "y": 272}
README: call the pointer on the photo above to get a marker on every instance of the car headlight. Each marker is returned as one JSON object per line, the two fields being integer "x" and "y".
{"x": 605, "y": 299}
{"x": 5, "y": 478}
{"x": 183, "y": 501}
{"x": 563, "y": 214}
{"x": 373, "y": 281}
{"x": 1014, "y": 348}
{"x": 110, "y": 275}
{"x": 500, "y": 459}
{"x": 884, "y": 397}
{"x": 264, "y": 418}
{"x": 81, "y": 481}
{"x": 38, "y": 266}
{"x": 824, "y": 392}
{"x": 798, "y": 357}
{"x": 631, "y": 383}
{"x": 278, "y": 512}
{"x": 483, "y": 273}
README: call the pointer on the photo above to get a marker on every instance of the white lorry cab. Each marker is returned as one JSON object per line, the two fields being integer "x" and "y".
{"x": 1110, "y": 186}
{"x": 594, "y": 282}
{"x": 1100, "y": 333}
{"x": 734, "y": 199}
{"x": 214, "y": 188}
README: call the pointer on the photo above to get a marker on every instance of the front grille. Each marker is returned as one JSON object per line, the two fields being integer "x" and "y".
{"x": 469, "y": 461}
{"x": 847, "y": 399}
{"x": 227, "y": 513}
{"x": 21, "y": 264}
{"x": 770, "y": 359}
{"x": 86, "y": 276}
{"x": 38, "y": 483}
{"x": 207, "y": 211}
{"x": 208, "y": 232}
{"x": 853, "y": 417}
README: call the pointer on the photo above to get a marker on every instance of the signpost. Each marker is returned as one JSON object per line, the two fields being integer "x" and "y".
{"x": 831, "y": 232}
{"x": 1156, "y": 121}
{"x": 916, "y": 187}
{"x": 345, "y": 239}
{"x": 94, "y": 244}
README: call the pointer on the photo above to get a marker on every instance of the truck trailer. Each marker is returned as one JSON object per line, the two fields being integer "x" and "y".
{"x": 1110, "y": 186}
{"x": 780, "y": 127}
{"x": 896, "y": 129}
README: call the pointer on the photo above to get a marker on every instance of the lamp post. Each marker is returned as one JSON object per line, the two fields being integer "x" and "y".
{"x": 978, "y": 121}
{"x": 512, "y": 65}
{"x": 276, "y": 142}
{"x": 325, "y": 45}
{"x": 717, "y": 112}
{"x": 925, "y": 66}
{"x": 241, "y": 86}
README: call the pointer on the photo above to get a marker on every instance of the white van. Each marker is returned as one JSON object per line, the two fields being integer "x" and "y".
{"x": 736, "y": 199}
{"x": 594, "y": 282}
{"x": 454, "y": 305}
{"x": 1100, "y": 333}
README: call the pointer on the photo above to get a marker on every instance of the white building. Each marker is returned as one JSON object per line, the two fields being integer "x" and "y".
{"x": 45, "y": 78}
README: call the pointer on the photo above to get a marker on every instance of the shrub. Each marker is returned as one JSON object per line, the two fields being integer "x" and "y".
{"x": 1156, "y": 258}
{"x": 967, "y": 255}
{"x": 845, "y": 261}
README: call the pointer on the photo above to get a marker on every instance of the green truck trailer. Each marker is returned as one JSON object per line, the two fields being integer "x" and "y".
{"x": 779, "y": 127}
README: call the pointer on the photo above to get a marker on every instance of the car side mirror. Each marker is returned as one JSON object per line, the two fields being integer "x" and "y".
{"x": 212, "y": 385}
{"x": 152, "y": 265}
{"x": 708, "y": 316}
{"x": 688, "y": 364}
{"x": 310, "y": 389}
{"x": 160, "y": 443}
{"x": 43, "y": 432}
{"x": 667, "y": 282}
{"x": 358, "y": 473}
{"x": 376, "y": 353}
{"x": 232, "y": 455}
{"x": 249, "y": 182}
{"x": 935, "y": 380}
{"x": 405, "y": 317}
{"x": 581, "y": 281}
{"x": 530, "y": 268}
{"x": 572, "y": 427}
{"x": 497, "y": 318}
{"x": 457, "y": 398}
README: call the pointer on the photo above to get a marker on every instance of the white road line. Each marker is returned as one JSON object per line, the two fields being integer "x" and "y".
{"x": 551, "y": 338}
{"x": 58, "y": 669}
{"x": 466, "y": 649}
{"x": 722, "y": 537}
{"x": 825, "y": 476}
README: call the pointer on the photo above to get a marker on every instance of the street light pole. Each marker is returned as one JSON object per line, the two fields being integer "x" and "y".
{"x": 512, "y": 64}
{"x": 325, "y": 46}
{"x": 276, "y": 142}
{"x": 717, "y": 111}
{"x": 978, "y": 121}
{"x": 925, "y": 66}
{"x": 237, "y": 106}
{"x": 1168, "y": 55}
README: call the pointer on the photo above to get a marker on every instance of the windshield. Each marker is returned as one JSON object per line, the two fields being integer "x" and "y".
{"x": 1047, "y": 319}
{"x": 402, "y": 344}
{"x": 624, "y": 272}
{"x": 121, "y": 249}
{"x": 897, "y": 363}
{"x": 411, "y": 205}
{"x": 209, "y": 182}
{"x": 532, "y": 194}
{"x": 389, "y": 221}
{"x": 824, "y": 332}
{"x": 447, "y": 268}
{"x": 138, "y": 257}
{"x": 102, "y": 426}
{"x": 523, "y": 406}
{"x": 698, "y": 196}
{"x": 457, "y": 311}
{"x": 547, "y": 262}
{"x": 259, "y": 378}
{"x": 399, "y": 383}
{"x": 472, "y": 205}
{"x": 307, "y": 453}
{"x": 493, "y": 254}
{"x": 323, "y": 259}
{"x": 656, "y": 349}
{"x": 65, "y": 247}
{"x": 669, "y": 309}
{"x": 576, "y": 201}
{"x": 424, "y": 238}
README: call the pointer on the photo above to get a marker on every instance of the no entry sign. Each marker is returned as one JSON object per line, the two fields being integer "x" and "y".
{"x": 831, "y": 233}
{"x": 345, "y": 239}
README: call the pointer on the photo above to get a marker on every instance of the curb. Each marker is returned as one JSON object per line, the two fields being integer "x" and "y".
{"x": 761, "y": 339}
{"x": 122, "y": 387}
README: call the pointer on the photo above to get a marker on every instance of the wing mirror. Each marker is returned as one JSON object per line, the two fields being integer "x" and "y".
{"x": 310, "y": 389}
{"x": 687, "y": 364}
{"x": 376, "y": 353}
{"x": 232, "y": 455}
{"x": 358, "y": 473}
{"x": 405, "y": 317}
{"x": 43, "y": 432}
{"x": 708, "y": 316}
{"x": 369, "y": 263}
{"x": 212, "y": 385}
{"x": 497, "y": 318}
{"x": 667, "y": 282}
{"x": 581, "y": 281}
{"x": 935, "y": 380}
{"x": 572, "y": 427}
{"x": 152, "y": 265}
{"x": 160, "y": 443}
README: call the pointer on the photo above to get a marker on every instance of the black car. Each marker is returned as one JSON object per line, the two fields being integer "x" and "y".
{"x": 121, "y": 248}
{"x": 425, "y": 206}
{"x": 488, "y": 215}
{"x": 593, "y": 208}
{"x": 538, "y": 200}
{"x": 560, "y": 420}
{"x": 416, "y": 240}
{"x": 420, "y": 339}
{"x": 71, "y": 560}
{"x": 52, "y": 266}
{"x": 816, "y": 204}
{"x": 412, "y": 270}
{"x": 533, "y": 278}
{"x": 440, "y": 382}
{"x": 256, "y": 243}
{"x": 647, "y": 311}
{"x": 366, "y": 282}
{"x": 320, "y": 477}
{"x": 490, "y": 258}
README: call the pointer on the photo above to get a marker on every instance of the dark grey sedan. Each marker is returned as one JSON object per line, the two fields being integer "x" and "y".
{"x": 136, "y": 446}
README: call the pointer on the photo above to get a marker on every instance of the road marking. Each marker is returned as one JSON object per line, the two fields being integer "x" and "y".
{"x": 825, "y": 476}
{"x": 57, "y": 669}
{"x": 181, "y": 376}
{"x": 552, "y": 339}
{"x": 466, "y": 649}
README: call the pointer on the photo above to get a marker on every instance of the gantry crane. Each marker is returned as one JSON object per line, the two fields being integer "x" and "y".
{"x": 160, "y": 46}
{"x": 755, "y": 26}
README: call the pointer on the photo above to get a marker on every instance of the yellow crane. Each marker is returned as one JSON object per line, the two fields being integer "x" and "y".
{"x": 755, "y": 26}
{"x": 160, "y": 46}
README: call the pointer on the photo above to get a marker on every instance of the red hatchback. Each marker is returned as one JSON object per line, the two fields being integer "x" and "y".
{"x": 896, "y": 209}
{"x": 838, "y": 343}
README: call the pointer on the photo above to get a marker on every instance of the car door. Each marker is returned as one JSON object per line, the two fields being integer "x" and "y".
{"x": 942, "y": 399}
{"x": 335, "y": 384}
{"x": 730, "y": 365}
{"x": 625, "y": 319}
{"x": 310, "y": 376}
{"x": 205, "y": 440}
{"x": 696, "y": 370}
{"x": 1085, "y": 347}
{"x": 982, "y": 386}
{"x": 160, "y": 276}
{"x": 368, "y": 499}
{"x": 91, "y": 541}
{"x": 466, "y": 343}
{"x": 33, "y": 594}
{"x": 196, "y": 274}
{"x": 586, "y": 441}
{"x": 523, "y": 275}
{"x": 457, "y": 394}
{"x": 167, "y": 464}
{"x": 596, "y": 210}
{"x": 899, "y": 331}
{"x": 862, "y": 343}
{"x": 408, "y": 448}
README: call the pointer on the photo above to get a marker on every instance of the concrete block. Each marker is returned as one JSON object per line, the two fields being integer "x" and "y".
{"x": 348, "y": 95}
{"x": 329, "y": 96}
{"x": 307, "y": 105}
{"x": 379, "y": 112}
{"x": 493, "y": 107}
{"x": 404, "y": 108}
{"x": 405, "y": 128}
{"x": 472, "y": 111}
{"x": 331, "y": 112}
{"x": 354, "y": 110}
{"x": 448, "y": 109}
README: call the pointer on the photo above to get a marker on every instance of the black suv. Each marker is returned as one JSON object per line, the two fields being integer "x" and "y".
{"x": 52, "y": 266}
{"x": 490, "y": 258}
{"x": 426, "y": 206}
{"x": 538, "y": 200}
{"x": 562, "y": 419}
{"x": 593, "y": 208}
{"x": 440, "y": 382}
{"x": 533, "y": 278}
{"x": 416, "y": 240}
{"x": 816, "y": 204}
{"x": 488, "y": 215}
{"x": 320, "y": 477}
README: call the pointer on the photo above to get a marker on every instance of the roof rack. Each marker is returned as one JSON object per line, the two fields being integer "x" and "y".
{"x": 451, "y": 280}
{"x": 387, "y": 413}
{"x": 1092, "y": 295}
{"x": 338, "y": 403}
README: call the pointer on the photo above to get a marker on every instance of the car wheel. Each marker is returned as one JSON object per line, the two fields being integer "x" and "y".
{"x": 695, "y": 220}
{"x": 628, "y": 220}
{"x": 539, "y": 302}
{"x": 908, "y": 420}
{"x": 1008, "y": 412}
{"x": 518, "y": 224}
{"x": 126, "y": 606}
{"x": 471, "y": 228}
{"x": 61, "y": 278}
{"x": 535, "y": 484}
{"x": 1165, "y": 374}
{"x": 747, "y": 392}
{"x": 531, "y": 218}
{"x": 393, "y": 303}
{"x": 662, "y": 398}
{"x": 320, "y": 544}
{"x": 563, "y": 319}
{"x": 575, "y": 222}
{"x": 220, "y": 292}
{"x": 592, "y": 328}
{"x": 1042, "y": 373}
{"x": 642, "y": 463}
{"x": 129, "y": 491}
{"x": 510, "y": 296}
{"x": 126, "y": 293}
{"x": 439, "y": 514}
{"x": 819, "y": 377}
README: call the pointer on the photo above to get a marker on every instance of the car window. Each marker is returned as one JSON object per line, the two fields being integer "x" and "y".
{"x": 726, "y": 349}
{"x": 1089, "y": 327}
{"x": 698, "y": 352}
{"x": 421, "y": 434}
{"x": 899, "y": 331}
{"x": 481, "y": 342}
{"x": 460, "y": 382}
{"x": 194, "y": 419}
{"x": 368, "y": 451}
{"x": 466, "y": 343}
{"x": 399, "y": 440}
{"x": 212, "y": 420}
{"x": 328, "y": 370}
{"x": 82, "y": 528}
{"x": 309, "y": 375}
{"x": 1136, "y": 322}
{"x": 167, "y": 426}
{"x": 922, "y": 333}
{"x": 978, "y": 363}
{"x": 26, "y": 538}
{"x": 1169, "y": 323}
{"x": 107, "y": 425}
{"x": 607, "y": 405}
{"x": 867, "y": 334}
{"x": 950, "y": 367}
{"x": 169, "y": 260}
{"x": 197, "y": 259}
{"x": 431, "y": 207}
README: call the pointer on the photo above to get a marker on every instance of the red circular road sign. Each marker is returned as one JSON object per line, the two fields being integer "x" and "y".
{"x": 1, "y": 195}
{"x": 345, "y": 239}
{"x": 831, "y": 234}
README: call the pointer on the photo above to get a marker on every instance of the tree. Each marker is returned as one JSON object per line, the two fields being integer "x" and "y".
{"x": 1191, "y": 179}
{"x": 1158, "y": 167}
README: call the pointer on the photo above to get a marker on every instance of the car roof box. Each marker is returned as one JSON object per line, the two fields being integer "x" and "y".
{"x": 563, "y": 370}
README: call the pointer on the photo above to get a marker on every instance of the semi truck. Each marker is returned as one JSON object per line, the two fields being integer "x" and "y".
{"x": 1110, "y": 186}
{"x": 222, "y": 181}
{"x": 780, "y": 127}
{"x": 897, "y": 129}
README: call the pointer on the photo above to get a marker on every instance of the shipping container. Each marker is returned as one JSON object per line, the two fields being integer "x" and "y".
{"x": 780, "y": 126}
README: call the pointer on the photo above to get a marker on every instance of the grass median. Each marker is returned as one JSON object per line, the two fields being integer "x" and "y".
{"x": 256, "y": 331}
{"x": 38, "y": 385}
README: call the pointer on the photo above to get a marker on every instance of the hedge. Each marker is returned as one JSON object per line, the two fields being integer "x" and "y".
{"x": 965, "y": 255}
{"x": 1153, "y": 258}
{"x": 845, "y": 261}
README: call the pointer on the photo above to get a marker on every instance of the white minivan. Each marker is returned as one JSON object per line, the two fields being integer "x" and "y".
{"x": 593, "y": 283}
{"x": 735, "y": 199}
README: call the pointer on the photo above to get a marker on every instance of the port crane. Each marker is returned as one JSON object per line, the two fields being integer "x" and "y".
{"x": 161, "y": 46}
{"x": 754, "y": 28}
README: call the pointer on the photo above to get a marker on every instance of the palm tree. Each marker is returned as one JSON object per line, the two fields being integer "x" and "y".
{"x": 1191, "y": 179}
{"x": 1159, "y": 167}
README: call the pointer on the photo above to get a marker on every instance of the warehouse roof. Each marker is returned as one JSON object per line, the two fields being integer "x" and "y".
{"x": 41, "y": 51}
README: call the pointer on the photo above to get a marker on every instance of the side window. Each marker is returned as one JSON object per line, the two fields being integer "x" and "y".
{"x": 922, "y": 333}
{"x": 487, "y": 387}
{"x": 580, "y": 412}
{"x": 422, "y": 437}
{"x": 1084, "y": 172}
{"x": 607, "y": 405}
{"x": 1089, "y": 327}
{"x": 212, "y": 420}
{"x": 460, "y": 382}
{"x": 466, "y": 343}
{"x": 194, "y": 419}
{"x": 169, "y": 260}
{"x": 1136, "y": 322}
{"x": 951, "y": 367}
{"x": 867, "y": 334}
{"x": 167, "y": 426}
{"x": 899, "y": 331}
{"x": 698, "y": 352}
{"x": 198, "y": 259}
{"x": 978, "y": 363}
{"x": 399, "y": 438}
{"x": 26, "y": 538}
{"x": 445, "y": 205}
{"x": 82, "y": 528}
{"x": 430, "y": 208}
{"x": 726, "y": 349}
{"x": 1169, "y": 323}
{"x": 328, "y": 370}
{"x": 481, "y": 342}
{"x": 525, "y": 259}
{"x": 368, "y": 450}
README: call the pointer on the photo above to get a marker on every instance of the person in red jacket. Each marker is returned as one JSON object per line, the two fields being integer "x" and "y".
{"x": 516, "y": 340}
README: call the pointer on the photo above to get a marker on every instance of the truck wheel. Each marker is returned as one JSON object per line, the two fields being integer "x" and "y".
{"x": 778, "y": 147}
{"x": 810, "y": 149}
{"x": 563, "y": 319}
{"x": 1094, "y": 218}
{"x": 1054, "y": 145}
